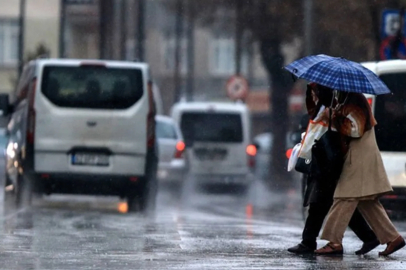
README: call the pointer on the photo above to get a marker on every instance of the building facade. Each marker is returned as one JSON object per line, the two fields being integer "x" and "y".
{"x": 110, "y": 29}
{"x": 41, "y": 26}
{"x": 118, "y": 29}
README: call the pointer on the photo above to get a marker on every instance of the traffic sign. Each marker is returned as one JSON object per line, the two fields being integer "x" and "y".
{"x": 390, "y": 26}
{"x": 237, "y": 87}
{"x": 385, "y": 51}
{"x": 390, "y": 23}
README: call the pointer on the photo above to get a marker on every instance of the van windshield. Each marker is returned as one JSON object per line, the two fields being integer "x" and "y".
{"x": 92, "y": 87}
{"x": 390, "y": 113}
{"x": 211, "y": 127}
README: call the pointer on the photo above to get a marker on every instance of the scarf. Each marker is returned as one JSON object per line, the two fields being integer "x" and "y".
{"x": 354, "y": 116}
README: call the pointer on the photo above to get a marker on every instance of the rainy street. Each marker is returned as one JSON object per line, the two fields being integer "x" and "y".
{"x": 188, "y": 134}
{"x": 210, "y": 229}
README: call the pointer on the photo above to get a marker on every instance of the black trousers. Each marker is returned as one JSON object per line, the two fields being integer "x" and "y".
{"x": 318, "y": 212}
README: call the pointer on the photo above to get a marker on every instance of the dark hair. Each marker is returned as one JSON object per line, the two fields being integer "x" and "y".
{"x": 325, "y": 95}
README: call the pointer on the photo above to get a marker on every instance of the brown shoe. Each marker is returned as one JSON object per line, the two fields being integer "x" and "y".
{"x": 393, "y": 246}
{"x": 330, "y": 249}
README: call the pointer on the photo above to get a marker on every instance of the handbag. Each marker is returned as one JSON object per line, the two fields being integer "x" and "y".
{"x": 315, "y": 129}
{"x": 293, "y": 157}
{"x": 303, "y": 165}
{"x": 328, "y": 153}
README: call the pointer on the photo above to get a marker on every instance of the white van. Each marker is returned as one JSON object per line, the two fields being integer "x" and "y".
{"x": 217, "y": 137}
{"x": 84, "y": 127}
{"x": 390, "y": 113}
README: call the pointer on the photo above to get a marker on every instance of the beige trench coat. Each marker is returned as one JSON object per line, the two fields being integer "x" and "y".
{"x": 363, "y": 172}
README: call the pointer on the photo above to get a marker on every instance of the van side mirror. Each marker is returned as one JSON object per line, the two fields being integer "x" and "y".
{"x": 5, "y": 107}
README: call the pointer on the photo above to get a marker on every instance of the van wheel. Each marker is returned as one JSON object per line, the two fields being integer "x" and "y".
{"x": 133, "y": 203}
{"x": 24, "y": 191}
{"x": 143, "y": 196}
{"x": 144, "y": 199}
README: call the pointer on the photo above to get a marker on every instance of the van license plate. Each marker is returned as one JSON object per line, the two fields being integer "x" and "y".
{"x": 90, "y": 159}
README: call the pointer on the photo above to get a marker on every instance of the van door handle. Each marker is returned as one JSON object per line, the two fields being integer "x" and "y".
{"x": 91, "y": 123}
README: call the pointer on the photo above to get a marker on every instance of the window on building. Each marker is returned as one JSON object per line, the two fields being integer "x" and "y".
{"x": 222, "y": 57}
{"x": 169, "y": 54}
{"x": 8, "y": 42}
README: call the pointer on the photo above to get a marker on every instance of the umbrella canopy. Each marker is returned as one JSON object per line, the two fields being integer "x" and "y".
{"x": 338, "y": 73}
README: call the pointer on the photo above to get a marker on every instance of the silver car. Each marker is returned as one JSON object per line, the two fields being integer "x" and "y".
{"x": 172, "y": 166}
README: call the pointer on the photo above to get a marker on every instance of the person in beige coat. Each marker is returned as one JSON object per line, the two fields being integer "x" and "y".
{"x": 363, "y": 179}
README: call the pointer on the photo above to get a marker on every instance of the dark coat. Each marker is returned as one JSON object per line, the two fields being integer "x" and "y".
{"x": 319, "y": 188}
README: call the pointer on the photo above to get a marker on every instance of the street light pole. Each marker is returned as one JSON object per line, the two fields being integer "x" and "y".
{"x": 102, "y": 29}
{"x": 141, "y": 30}
{"x": 190, "y": 51}
{"x": 123, "y": 30}
{"x": 238, "y": 37}
{"x": 21, "y": 23}
{"x": 62, "y": 27}
{"x": 308, "y": 33}
{"x": 178, "y": 44}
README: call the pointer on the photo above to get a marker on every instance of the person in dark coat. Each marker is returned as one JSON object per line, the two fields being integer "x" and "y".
{"x": 320, "y": 190}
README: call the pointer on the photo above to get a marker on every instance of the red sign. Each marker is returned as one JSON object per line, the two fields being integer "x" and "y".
{"x": 296, "y": 100}
{"x": 237, "y": 87}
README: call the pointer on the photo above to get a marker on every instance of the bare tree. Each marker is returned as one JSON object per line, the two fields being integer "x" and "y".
{"x": 271, "y": 23}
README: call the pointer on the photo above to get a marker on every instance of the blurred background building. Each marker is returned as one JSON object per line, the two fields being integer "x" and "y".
{"x": 190, "y": 57}
{"x": 147, "y": 30}
{"x": 41, "y": 26}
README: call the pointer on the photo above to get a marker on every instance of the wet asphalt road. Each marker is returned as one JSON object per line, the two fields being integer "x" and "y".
{"x": 190, "y": 230}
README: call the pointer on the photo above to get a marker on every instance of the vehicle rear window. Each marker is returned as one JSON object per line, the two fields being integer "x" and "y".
{"x": 211, "y": 127}
{"x": 390, "y": 113}
{"x": 165, "y": 130}
{"x": 92, "y": 86}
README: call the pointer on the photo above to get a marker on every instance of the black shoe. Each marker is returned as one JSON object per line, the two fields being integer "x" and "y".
{"x": 367, "y": 247}
{"x": 301, "y": 249}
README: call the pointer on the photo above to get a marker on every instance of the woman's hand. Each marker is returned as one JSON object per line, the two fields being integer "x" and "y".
{"x": 325, "y": 115}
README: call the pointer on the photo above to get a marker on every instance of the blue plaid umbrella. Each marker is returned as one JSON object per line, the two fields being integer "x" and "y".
{"x": 338, "y": 73}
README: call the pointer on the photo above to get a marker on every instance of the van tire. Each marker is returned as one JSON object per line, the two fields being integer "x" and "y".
{"x": 137, "y": 201}
{"x": 24, "y": 192}
{"x": 144, "y": 199}
{"x": 133, "y": 204}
